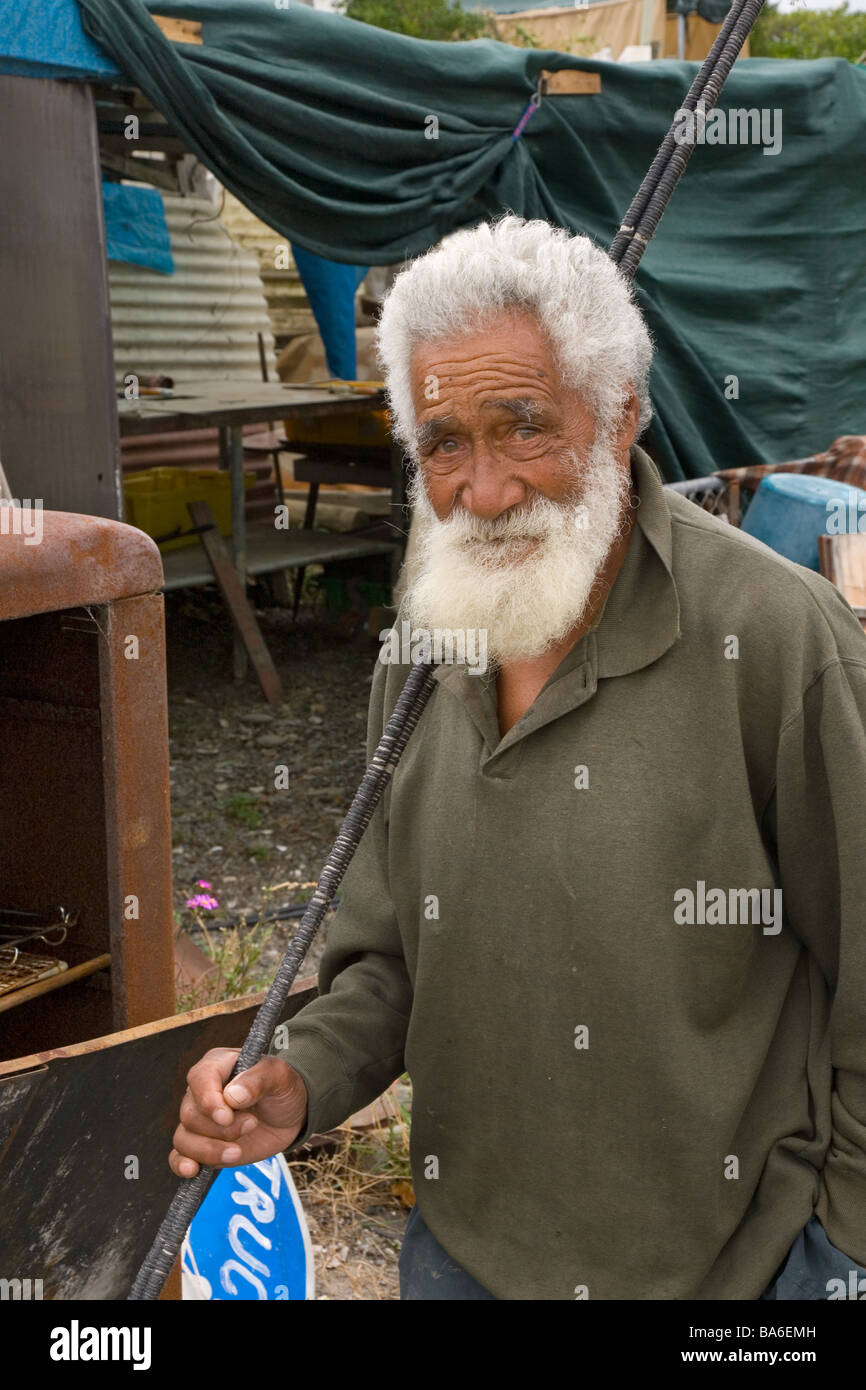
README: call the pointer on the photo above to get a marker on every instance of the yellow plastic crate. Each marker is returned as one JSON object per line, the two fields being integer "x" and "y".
{"x": 364, "y": 428}
{"x": 156, "y": 500}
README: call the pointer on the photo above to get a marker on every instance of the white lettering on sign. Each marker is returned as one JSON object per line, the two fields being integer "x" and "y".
{"x": 260, "y": 1206}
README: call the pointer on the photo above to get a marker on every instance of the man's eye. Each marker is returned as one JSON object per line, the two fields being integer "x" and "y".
{"x": 527, "y": 431}
{"x": 444, "y": 445}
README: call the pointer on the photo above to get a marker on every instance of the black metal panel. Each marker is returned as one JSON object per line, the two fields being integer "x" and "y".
{"x": 72, "y": 1217}
{"x": 58, "y": 416}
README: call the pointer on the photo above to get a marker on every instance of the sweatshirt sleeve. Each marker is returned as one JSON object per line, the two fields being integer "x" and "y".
{"x": 820, "y": 824}
{"x": 348, "y": 1043}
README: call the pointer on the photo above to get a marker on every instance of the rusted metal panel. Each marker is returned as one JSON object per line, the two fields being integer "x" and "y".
{"x": 84, "y": 808}
{"x": 58, "y": 421}
{"x": 52, "y": 813}
{"x": 137, "y": 811}
{"x": 79, "y": 561}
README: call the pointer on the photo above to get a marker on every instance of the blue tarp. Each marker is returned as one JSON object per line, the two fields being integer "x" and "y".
{"x": 45, "y": 38}
{"x": 331, "y": 291}
{"x": 135, "y": 227}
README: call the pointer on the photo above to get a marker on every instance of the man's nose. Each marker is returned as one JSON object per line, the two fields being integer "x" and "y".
{"x": 490, "y": 489}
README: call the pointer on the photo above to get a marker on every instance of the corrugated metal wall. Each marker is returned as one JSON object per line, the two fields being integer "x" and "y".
{"x": 287, "y": 300}
{"x": 202, "y": 321}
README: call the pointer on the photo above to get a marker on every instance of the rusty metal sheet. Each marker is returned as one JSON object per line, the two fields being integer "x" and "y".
{"x": 52, "y": 811}
{"x": 79, "y": 561}
{"x": 137, "y": 831}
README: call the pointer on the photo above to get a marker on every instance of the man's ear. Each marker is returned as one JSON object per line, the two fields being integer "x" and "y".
{"x": 627, "y": 429}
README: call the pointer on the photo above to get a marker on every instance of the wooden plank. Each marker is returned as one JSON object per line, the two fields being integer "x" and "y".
{"x": 236, "y": 403}
{"x": 568, "y": 82}
{"x": 179, "y": 30}
{"x": 165, "y": 144}
{"x": 236, "y": 601}
{"x": 269, "y": 550}
{"x": 66, "y": 977}
{"x": 239, "y": 539}
{"x": 843, "y": 562}
{"x": 142, "y": 170}
{"x": 85, "y": 1133}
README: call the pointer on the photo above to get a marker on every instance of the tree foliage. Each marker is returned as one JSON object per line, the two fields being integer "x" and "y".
{"x": 434, "y": 19}
{"x": 838, "y": 33}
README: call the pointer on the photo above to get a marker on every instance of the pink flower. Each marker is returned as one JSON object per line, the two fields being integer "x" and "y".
{"x": 203, "y": 900}
{"x": 200, "y": 883}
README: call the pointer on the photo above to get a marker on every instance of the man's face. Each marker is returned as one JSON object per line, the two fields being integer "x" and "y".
{"x": 499, "y": 427}
{"x": 518, "y": 499}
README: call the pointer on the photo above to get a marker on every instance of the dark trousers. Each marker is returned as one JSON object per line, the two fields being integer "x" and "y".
{"x": 428, "y": 1272}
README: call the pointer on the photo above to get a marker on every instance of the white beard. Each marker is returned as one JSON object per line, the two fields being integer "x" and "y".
{"x": 472, "y": 573}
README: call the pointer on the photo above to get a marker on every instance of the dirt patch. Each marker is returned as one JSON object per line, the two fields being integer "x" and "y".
{"x": 260, "y": 846}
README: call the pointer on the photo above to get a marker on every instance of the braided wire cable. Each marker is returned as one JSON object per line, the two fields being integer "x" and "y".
{"x": 663, "y": 175}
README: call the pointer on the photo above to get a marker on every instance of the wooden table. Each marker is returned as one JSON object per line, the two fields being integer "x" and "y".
{"x": 228, "y": 406}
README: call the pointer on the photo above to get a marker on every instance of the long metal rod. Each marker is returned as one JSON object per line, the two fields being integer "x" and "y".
{"x": 192, "y": 1191}
{"x": 651, "y": 199}
{"x": 627, "y": 248}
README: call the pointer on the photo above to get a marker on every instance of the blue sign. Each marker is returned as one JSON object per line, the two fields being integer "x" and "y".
{"x": 249, "y": 1239}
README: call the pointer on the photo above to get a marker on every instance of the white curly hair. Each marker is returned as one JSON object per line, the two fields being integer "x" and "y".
{"x": 584, "y": 307}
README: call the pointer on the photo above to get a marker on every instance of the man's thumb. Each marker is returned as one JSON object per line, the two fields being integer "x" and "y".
{"x": 260, "y": 1080}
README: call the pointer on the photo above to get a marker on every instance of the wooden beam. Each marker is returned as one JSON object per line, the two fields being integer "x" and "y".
{"x": 568, "y": 82}
{"x": 179, "y": 30}
{"x": 843, "y": 561}
{"x": 236, "y": 600}
{"x": 64, "y": 977}
{"x": 161, "y": 175}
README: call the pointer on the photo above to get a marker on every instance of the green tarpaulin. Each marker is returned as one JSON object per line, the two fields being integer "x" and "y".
{"x": 754, "y": 288}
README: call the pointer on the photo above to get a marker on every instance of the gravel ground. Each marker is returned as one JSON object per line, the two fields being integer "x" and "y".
{"x": 260, "y": 848}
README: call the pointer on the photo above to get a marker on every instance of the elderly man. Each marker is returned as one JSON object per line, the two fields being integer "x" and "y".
{"x": 611, "y": 913}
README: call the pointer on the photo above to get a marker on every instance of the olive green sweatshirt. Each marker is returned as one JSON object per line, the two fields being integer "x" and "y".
{"x": 622, "y": 950}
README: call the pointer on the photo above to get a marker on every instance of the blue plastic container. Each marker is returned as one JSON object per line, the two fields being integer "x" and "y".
{"x": 791, "y": 510}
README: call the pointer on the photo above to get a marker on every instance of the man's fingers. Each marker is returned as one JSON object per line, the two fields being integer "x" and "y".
{"x": 219, "y": 1129}
{"x": 216, "y": 1153}
{"x": 207, "y": 1079}
{"x": 194, "y": 1119}
{"x": 183, "y": 1167}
